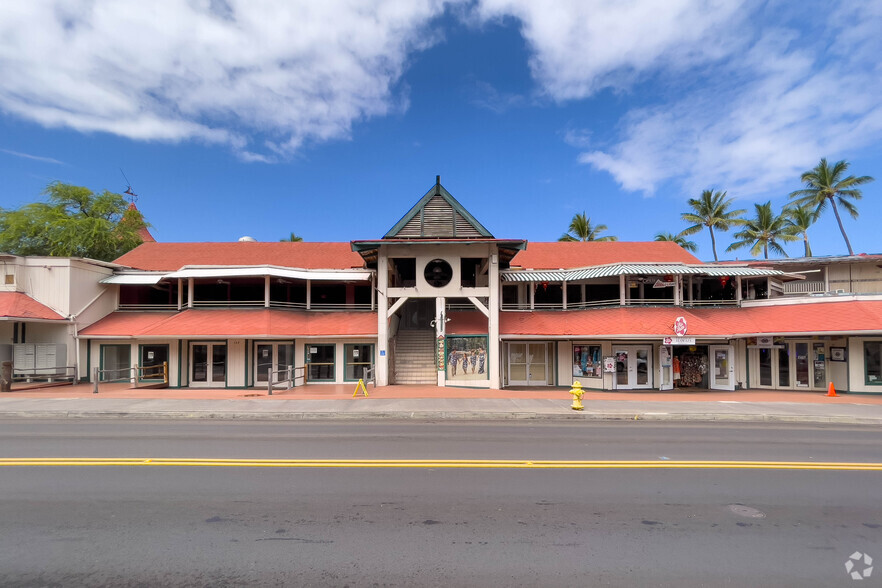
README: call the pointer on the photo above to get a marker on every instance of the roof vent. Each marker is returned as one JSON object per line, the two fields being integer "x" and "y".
{"x": 247, "y": 239}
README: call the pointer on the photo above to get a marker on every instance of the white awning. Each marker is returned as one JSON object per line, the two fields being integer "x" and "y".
{"x": 133, "y": 279}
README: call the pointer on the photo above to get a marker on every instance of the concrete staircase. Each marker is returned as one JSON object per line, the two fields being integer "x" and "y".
{"x": 415, "y": 357}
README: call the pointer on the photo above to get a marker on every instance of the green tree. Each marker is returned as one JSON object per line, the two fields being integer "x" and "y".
{"x": 293, "y": 239}
{"x": 75, "y": 222}
{"x": 799, "y": 219}
{"x": 679, "y": 239}
{"x": 582, "y": 230}
{"x": 711, "y": 210}
{"x": 825, "y": 184}
{"x": 765, "y": 231}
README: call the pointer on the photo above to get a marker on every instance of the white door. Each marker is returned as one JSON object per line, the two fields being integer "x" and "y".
{"x": 633, "y": 367}
{"x": 722, "y": 367}
{"x": 666, "y": 376}
{"x": 208, "y": 364}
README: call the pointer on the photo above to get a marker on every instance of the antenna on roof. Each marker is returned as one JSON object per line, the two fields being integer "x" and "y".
{"x": 133, "y": 198}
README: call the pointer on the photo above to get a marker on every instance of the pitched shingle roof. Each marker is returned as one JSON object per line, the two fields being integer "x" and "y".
{"x": 222, "y": 323}
{"x": 173, "y": 256}
{"x": 565, "y": 255}
{"x": 21, "y": 306}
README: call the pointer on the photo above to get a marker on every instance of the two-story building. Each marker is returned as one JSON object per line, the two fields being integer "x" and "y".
{"x": 440, "y": 300}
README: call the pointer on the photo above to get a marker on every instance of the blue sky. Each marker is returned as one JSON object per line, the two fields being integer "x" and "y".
{"x": 252, "y": 117}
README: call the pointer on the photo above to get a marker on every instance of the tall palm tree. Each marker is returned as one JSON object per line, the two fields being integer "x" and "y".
{"x": 825, "y": 184}
{"x": 293, "y": 239}
{"x": 799, "y": 219}
{"x": 711, "y": 211}
{"x": 582, "y": 230}
{"x": 766, "y": 231}
{"x": 679, "y": 239}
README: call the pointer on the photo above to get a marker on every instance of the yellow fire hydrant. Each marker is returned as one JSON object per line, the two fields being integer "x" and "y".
{"x": 577, "y": 392}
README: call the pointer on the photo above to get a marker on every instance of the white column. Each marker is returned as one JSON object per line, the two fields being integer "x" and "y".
{"x": 495, "y": 347}
{"x": 563, "y": 286}
{"x": 373, "y": 292}
{"x": 382, "y": 321}
{"x": 266, "y": 291}
{"x": 622, "y": 290}
{"x": 180, "y": 294}
{"x": 532, "y": 294}
{"x": 190, "y": 292}
{"x": 440, "y": 330}
{"x": 738, "y": 289}
{"x": 678, "y": 285}
{"x": 308, "y": 294}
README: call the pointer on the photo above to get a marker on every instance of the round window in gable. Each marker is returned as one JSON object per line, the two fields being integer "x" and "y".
{"x": 438, "y": 273}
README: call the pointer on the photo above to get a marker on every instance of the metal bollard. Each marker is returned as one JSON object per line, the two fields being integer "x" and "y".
{"x": 269, "y": 381}
{"x": 95, "y": 380}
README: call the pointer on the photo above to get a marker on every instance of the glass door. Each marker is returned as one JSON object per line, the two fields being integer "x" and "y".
{"x": 517, "y": 364}
{"x": 154, "y": 361}
{"x": 801, "y": 351}
{"x": 633, "y": 366}
{"x": 275, "y": 357}
{"x": 537, "y": 371}
{"x": 722, "y": 370}
{"x": 819, "y": 365}
{"x": 208, "y": 364}
{"x": 665, "y": 362}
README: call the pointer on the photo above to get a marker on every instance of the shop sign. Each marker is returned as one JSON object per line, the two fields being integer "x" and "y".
{"x": 609, "y": 364}
{"x": 765, "y": 341}
{"x": 678, "y": 340}
{"x": 663, "y": 284}
{"x": 680, "y": 327}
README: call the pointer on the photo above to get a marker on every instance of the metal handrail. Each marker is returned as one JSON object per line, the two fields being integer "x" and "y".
{"x": 291, "y": 377}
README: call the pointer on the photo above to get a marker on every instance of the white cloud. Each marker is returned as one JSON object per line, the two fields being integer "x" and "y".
{"x": 742, "y": 95}
{"x": 32, "y": 157}
{"x": 222, "y": 71}
{"x": 582, "y": 46}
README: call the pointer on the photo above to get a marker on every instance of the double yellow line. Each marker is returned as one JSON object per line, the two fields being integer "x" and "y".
{"x": 436, "y": 463}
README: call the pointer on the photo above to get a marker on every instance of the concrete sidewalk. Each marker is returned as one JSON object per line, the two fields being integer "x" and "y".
{"x": 433, "y": 403}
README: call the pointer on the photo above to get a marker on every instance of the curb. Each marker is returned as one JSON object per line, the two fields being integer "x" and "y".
{"x": 427, "y": 415}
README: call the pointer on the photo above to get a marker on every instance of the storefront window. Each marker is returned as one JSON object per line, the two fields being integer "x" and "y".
{"x": 320, "y": 361}
{"x": 587, "y": 361}
{"x": 873, "y": 362}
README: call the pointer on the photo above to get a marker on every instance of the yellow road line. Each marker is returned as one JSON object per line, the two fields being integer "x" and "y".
{"x": 440, "y": 463}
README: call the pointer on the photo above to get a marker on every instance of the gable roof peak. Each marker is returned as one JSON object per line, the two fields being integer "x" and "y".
{"x": 438, "y": 215}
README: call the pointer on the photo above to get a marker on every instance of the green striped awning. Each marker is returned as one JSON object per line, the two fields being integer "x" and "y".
{"x": 630, "y": 269}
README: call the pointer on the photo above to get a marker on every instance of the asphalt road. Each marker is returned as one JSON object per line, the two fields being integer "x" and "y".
{"x": 436, "y": 526}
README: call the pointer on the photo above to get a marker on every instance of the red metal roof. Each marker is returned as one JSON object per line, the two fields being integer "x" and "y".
{"x": 173, "y": 256}
{"x": 220, "y": 323}
{"x": 21, "y": 306}
{"x": 566, "y": 255}
{"x": 818, "y": 318}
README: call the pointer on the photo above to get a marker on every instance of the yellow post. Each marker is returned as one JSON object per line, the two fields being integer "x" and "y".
{"x": 577, "y": 392}
{"x": 360, "y": 386}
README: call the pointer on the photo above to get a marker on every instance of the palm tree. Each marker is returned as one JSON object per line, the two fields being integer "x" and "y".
{"x": 799, "y": 219}
{"x": 293, "y": 239}
{"x": 764, "y": 232}
{"x": 581, "y": 230}
{"x": 824, "y": 185}
{"x": 711, "y": 211}
{"x": 679, "y": 239}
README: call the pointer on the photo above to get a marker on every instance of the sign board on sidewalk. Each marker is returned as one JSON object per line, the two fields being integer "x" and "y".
{"x": 609, "y": 364}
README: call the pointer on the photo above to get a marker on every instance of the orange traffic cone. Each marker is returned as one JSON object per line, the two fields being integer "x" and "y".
{"x": 831, "y": 391}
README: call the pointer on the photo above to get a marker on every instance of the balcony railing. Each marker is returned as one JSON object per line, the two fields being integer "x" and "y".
{"x": 244, "y": 304}
{"x": 805, "y": 287}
